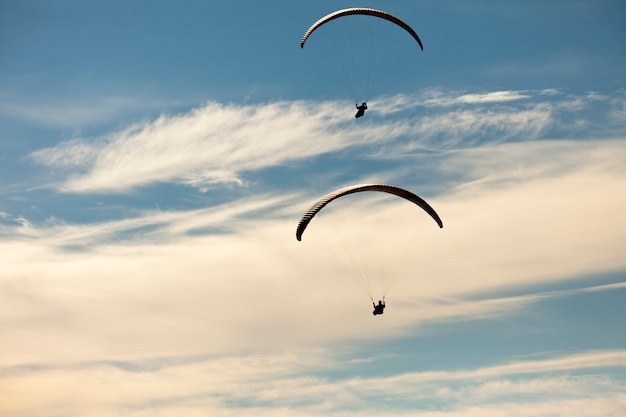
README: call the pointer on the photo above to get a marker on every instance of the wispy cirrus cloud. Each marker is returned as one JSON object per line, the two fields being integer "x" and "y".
{"x": 217, "y": 144}
{"x": 146, "y": 226}
{"x": 438, "y": 98}
{"x": 435, "y": 98}
{"x": 75, "y": 110}
{"x": 210, "y": 144}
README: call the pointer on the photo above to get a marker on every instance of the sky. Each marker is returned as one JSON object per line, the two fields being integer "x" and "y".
{"x": 156, "y": 157}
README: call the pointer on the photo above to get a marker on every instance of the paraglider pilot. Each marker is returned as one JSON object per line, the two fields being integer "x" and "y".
{"x": 360, "y": 110}
{"x": 378, "y": 309}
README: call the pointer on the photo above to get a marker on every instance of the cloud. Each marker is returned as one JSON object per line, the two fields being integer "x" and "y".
{"x": 160, "y": 311}
{"x": 440, "y": 99}
{"x": 602, "y": 359}
{"x": 219, "y": 144}
{"x": 150, "y": 226}
{"x": 210, "y": 144}
{"x": 78, "y": 111}
{"x": 547, "y": 212}
{"x": 435, "y": 98}
{"x": 286, "y": 384}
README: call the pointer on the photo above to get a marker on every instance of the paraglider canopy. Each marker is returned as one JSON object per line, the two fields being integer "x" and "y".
{"x": 400, "y": 192}
{"x": 361, "y": 11}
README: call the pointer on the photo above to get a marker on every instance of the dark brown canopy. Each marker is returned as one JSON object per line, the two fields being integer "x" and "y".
{"x": 361, "y": 11}
{"x": 308, "y": 216}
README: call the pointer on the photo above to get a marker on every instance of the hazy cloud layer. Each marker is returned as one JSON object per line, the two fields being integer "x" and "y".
{"x": 159, "y": 312}
{"x": 77, "y": 111}
{"x": 286, "y": 384}
{"x": 552, "y": 212}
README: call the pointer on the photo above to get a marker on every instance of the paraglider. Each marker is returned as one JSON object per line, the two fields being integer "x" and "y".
{"x": 378, "y": 309}
{"x": 367, "y": 74}
{"x": 366, "y": 71}
{"x": 360, "y": 110}
{"x": 362, "y": 275}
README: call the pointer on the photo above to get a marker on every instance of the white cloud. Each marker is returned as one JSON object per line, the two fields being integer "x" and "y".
{"x": 210, "y": 144}
{"x": 218, "y": 143}
{"x": 471, "y": 127}
{"x": 285, "y": 384}
{"x": 111, "y": 287}
{"x": 195, "y": 291}
{"x": 439, "y": 99}
{"x": 433, "y": 98}
{"x": 150, "y": 226}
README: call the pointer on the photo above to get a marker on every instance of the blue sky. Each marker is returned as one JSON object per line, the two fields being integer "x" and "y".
{"x": 155, "y": 159}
